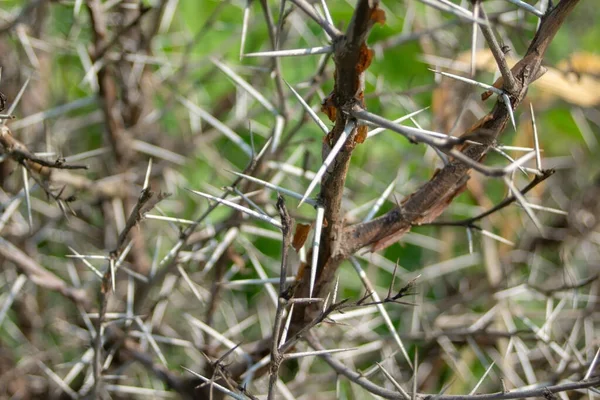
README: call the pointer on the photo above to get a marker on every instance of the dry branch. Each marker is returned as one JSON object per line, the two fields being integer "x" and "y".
{"x": 21, "y": 154}
{"x": 352, "y": 57}
{"x": 427, "y": 203}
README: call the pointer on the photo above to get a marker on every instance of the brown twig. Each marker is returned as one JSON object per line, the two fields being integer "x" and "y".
{"x": 276, "y": 358}
{"x": 510, "y": 84}
{"x": 143, "y": 205}
{"x": 118, "y": 137}
{"x": 352, "y": 57}
{"x": 21, "y": 154}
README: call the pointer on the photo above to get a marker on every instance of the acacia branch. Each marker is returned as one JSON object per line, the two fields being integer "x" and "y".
{"x": 145, "y": 203}
{"x": 276, "y": 359}
{"x": 431, "y": 199}
{"x": 352, "y": 57}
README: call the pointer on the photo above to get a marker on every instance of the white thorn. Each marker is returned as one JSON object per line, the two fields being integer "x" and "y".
{"x": 316, "y": 243}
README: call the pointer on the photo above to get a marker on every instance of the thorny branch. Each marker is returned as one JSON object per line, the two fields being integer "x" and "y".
{"x": 122, "y": 89}
{"x": 286, "y": 223}
{"x": 352, "y": 57}
{"x": 40, "y": 275}
{"x": 431, "y": 199}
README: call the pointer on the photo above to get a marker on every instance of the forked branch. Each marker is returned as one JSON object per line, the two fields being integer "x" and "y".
{"x": 431, "y": 199}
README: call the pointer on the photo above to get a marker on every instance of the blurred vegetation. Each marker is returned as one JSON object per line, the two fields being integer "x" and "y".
{"x": 42, "y": 325}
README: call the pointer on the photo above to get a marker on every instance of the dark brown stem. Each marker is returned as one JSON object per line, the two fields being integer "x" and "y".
{"x": 352, "y": 57}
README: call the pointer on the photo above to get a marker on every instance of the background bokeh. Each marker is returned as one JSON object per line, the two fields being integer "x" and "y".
{"x": 166, "y": 59}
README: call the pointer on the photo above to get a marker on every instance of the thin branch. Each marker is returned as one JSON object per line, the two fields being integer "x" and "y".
{"x": 504, "y": 203}
{"x": 360, "y": 380}
{"x": 286, "y": 229}
{"x": 510, "y": 84}
{"x": 305, "y": 6}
